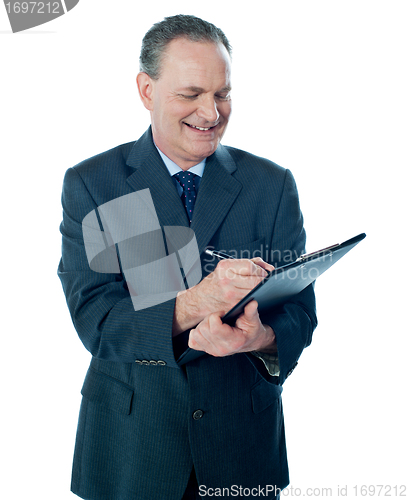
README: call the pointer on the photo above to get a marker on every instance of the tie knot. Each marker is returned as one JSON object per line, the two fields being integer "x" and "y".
{"x": 186, "y": 180}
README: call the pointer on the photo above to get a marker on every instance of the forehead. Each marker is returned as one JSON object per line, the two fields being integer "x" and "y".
{"x": 190, "y": 63}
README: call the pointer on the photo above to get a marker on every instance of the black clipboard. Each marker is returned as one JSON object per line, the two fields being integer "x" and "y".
{"x": 280, "y": 284}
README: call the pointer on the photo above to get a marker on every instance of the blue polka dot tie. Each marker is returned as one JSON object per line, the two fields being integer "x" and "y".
{"x": 189, "y": 195}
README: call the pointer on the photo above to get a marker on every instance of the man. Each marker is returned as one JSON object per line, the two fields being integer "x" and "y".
{"x": 148, "y": 427}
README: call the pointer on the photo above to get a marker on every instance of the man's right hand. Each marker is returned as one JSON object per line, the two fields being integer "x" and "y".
{"x": 231, "y": 280}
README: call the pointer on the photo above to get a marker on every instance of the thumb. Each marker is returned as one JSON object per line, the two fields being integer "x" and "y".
{"x": 251, "y": 311}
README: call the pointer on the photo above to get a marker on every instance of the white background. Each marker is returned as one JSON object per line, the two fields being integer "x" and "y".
{"x": 320, "y": 87}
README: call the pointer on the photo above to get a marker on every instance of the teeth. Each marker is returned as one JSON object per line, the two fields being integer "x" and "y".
{"x": 199, "y": 128}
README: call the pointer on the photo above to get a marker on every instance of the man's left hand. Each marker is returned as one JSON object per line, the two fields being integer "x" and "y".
{"x": 219, "y": 339}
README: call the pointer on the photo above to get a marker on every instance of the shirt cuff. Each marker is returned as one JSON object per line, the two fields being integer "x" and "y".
{"x": 271, "y": 362}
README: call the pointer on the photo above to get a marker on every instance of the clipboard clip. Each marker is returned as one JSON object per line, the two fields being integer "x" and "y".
{"x": 323, "y": 251}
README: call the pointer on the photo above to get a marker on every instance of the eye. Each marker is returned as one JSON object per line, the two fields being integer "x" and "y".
{"x": 189, "y": 97}
{"x": 223, "y": 97}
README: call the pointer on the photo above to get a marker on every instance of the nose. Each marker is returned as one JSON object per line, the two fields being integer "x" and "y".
{"x": 208, "y": 109}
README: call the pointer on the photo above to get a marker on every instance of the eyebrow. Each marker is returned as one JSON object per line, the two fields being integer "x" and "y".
{"x": 200, "y": 90}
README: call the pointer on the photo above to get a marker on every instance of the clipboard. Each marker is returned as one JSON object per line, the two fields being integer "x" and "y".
{"x": 280, "y": 284}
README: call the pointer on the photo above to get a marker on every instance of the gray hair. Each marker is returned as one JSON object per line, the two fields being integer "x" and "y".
{"x": 181, "y": 26}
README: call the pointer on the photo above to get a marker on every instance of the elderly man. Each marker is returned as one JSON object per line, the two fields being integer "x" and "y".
{"x": 150, "y": 428}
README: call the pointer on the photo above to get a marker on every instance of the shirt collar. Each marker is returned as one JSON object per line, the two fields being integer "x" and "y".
{"x": 173, "y": 168}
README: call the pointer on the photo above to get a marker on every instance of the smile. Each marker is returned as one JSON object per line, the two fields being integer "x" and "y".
{"x": 200, "y": 128}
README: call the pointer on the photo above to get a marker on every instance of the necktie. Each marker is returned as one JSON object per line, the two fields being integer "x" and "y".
{"x": 188, "y": 197}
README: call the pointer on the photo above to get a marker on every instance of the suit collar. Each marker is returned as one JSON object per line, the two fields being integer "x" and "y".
{"x": 217, "y": 193}
{"x": 218, "y": 189}
{"x": 151, "y": 173}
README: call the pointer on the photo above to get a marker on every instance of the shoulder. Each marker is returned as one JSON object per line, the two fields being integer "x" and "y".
{"x": 104, "y": 161}
{"x": 251, "y": 166}
{"x": 107, "y": 172}
{"x": 97, "y": 179}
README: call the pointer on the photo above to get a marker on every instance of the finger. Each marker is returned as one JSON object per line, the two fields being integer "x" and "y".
{"x": 251, "y": 310}
{"x": 201, "y": 338}
{"x": 240, "y": 267}
{"x": 258, "y": 267}
{"x": 247, "y": 282}
{"x": 250, "y": 316}
{"x": 195, "y": 340}
{"x": 213, "y": 337}
{"x": 261, "y": 263}
{"x": 249, "y": 319}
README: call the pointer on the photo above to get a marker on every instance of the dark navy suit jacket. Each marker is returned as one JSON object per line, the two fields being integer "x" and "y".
{"x": 137, "y": 437}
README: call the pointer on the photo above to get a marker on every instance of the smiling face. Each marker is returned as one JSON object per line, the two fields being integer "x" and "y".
{"x": 190, "y": 103}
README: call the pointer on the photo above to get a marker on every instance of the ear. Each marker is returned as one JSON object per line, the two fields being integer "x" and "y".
{"x": 145, "y": 87}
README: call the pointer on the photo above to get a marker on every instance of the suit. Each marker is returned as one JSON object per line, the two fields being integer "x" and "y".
{"x": 144, "y": 421}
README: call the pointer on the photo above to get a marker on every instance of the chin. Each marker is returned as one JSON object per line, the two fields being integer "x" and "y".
{"x": 207, "y": 151}
{"x": 200, "y": 155}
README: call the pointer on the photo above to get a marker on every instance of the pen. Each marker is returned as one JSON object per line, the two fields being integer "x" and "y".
{"x": 219, "y": 255}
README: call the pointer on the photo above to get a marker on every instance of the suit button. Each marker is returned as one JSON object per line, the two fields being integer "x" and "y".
{"x": 138, "y": 362}
{"x": 153, "y": 362}
{"x": 161, "y": 363}
{"x": 198, "y": 414}
{"x": 145, "y": 362}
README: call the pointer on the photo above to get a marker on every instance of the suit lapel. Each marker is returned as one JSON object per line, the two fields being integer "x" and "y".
{"x": 152, "y": 174}
{"x": 218, "y": 191}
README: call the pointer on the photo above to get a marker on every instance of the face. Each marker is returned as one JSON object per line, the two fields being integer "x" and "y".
{"x": 190, "y": 103}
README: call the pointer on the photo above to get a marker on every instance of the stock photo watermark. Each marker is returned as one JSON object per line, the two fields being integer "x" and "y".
{"x": 356, "y": 491}
{"x": 159, "y": 262}
{"x": 26, "y": 15}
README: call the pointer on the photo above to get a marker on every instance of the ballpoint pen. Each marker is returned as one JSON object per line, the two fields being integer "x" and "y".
{"x": 219, "y": 255}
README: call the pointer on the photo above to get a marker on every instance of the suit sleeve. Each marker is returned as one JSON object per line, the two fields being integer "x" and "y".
{"x": 294, "y": 321}
{"x": 99, "y": 303}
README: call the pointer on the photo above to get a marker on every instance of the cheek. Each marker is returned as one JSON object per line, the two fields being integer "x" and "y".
{"x": 225, "y": 110}
{"x": 181, "y": 110}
